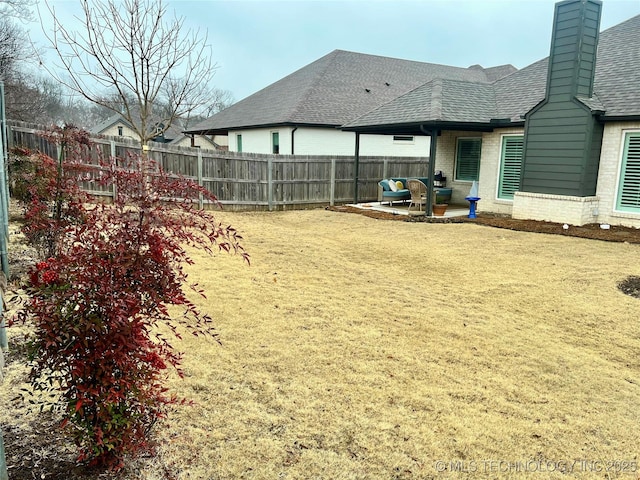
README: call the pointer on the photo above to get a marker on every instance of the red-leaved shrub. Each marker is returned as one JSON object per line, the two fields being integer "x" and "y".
{"x": 51, "y": 187}
{"x": 98, "y": 302}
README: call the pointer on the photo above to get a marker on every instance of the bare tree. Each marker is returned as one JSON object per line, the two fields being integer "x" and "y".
{"x": 28, "y": 97}
{"x": 21, "y": 9}
{"x": 15, "y": 48}
{"x": 219, "y": 100}
{"x": 158, "y": 70}
{"x": 34, "y": 99}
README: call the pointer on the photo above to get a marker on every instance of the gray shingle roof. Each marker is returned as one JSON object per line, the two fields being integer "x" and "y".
{"x": 338, "y": 88}
{"x": 109, "y": 122}
{"x": 617, "y": 81}
{"x": 616, "y": 89}
{"x": 442, "y": 100}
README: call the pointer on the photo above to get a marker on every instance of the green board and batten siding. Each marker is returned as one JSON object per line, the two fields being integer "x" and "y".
{"x": 562, "y": 136}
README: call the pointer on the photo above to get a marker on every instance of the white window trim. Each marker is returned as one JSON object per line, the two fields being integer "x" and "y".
{"x": 271, "y": 132}
{"x": 614, "y": 211}
{"x": 499, "y": 169}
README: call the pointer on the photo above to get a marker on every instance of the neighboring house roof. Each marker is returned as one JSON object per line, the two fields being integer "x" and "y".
{"x": 336, "y": 89}
{"x": 173, "y": 132}
{"x": 508, "y": 99}
{"x": 108, "y": 123}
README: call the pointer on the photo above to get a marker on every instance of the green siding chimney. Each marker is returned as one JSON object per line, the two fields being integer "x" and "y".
{"x": 562, "y": 134}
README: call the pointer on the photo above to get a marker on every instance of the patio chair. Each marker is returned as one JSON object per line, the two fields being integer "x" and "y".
{"x": 418, "y": 192}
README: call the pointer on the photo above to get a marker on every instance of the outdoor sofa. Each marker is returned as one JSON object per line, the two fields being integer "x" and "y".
{"x": 386, "y": 194}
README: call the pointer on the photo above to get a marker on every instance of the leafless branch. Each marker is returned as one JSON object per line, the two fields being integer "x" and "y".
{"x": 20, "y": 9}
{"x": 134, "y": 50}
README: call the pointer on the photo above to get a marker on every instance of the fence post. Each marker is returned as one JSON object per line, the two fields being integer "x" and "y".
{"x": 332, "y": 187}
{"x": 385, "y": 167}
{"x": 270, "y": 181}
{"x": 200, "y": 182}
{"x": 4, "y": 233}
{"x": 114, "y": 190}
{"x": 5, "y": 264}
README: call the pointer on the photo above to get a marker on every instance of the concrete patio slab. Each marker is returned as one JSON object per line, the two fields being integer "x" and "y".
{"x": 403, "y": 209}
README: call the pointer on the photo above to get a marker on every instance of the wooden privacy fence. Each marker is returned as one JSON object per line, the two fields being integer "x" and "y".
{"x": 243, "y": 181}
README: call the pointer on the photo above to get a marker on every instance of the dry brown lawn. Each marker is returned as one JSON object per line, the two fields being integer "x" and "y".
{"x": 356, "y": 348}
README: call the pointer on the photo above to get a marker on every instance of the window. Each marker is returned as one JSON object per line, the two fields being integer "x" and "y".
{"x": 275, "y": 143}
{"x": 629, "y": 188}
{"x": 468, "y": 159}
{"x": 239, "y": 143}
{"x": 402, "y": 139}
{"x": 120, "y": 131}
{"x": 510, "y": 166}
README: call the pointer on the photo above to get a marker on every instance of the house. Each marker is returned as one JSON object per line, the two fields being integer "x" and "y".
{"x": 117, "y": 126}
{"x": 114, "y": 126}
{"x": 300, "y": 114}
{"x": 558, "y": 140}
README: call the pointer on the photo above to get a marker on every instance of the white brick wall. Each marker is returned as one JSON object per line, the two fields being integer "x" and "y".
{"x": 609, "y": 174}
{"x": 555, "y": 208}
{"x": 489, "y": 168}
{"x": 581, "y": 210}
{"x": 490, "y": 172}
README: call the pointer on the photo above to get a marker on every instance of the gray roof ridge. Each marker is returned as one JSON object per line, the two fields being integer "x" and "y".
{"x": 398, "y": 59}
{"x": 303, "y": 98}
{"x": 418, "y": 62}
{"x": 499, "y": 80}
{"x": 436, "y": 98}
{"x": 498, "y": 66}
{"x": 546, "y": 59}
{"x": 457, "y": 80}
{"x": 619, "y": 24}
{"x": 108, "y": 122}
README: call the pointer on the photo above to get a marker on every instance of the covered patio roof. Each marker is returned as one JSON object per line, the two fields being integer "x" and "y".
{"x": 440, "y": 104}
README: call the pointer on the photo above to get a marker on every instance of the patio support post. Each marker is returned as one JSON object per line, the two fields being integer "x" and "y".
{"x": 432, "y": 168}
{"x": 356, "y": 169}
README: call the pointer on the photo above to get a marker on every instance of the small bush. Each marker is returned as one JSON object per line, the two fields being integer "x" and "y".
{"x": 96, "y": 304}
{"x": 50, "y": 187}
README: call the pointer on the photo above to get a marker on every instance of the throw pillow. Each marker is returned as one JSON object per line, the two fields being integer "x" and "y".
{"x": 393, "y": 186}
{"x": 400, "y": 185}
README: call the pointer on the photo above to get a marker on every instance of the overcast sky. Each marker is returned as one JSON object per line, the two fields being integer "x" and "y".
{"x": 257, "y": 42}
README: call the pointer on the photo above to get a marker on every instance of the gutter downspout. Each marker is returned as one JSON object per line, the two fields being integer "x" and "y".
{"x": 432, "y": 167}
{"x": 293, "y": 151}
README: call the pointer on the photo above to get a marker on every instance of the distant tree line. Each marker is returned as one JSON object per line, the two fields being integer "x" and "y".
{"x": 36, "y": 94}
